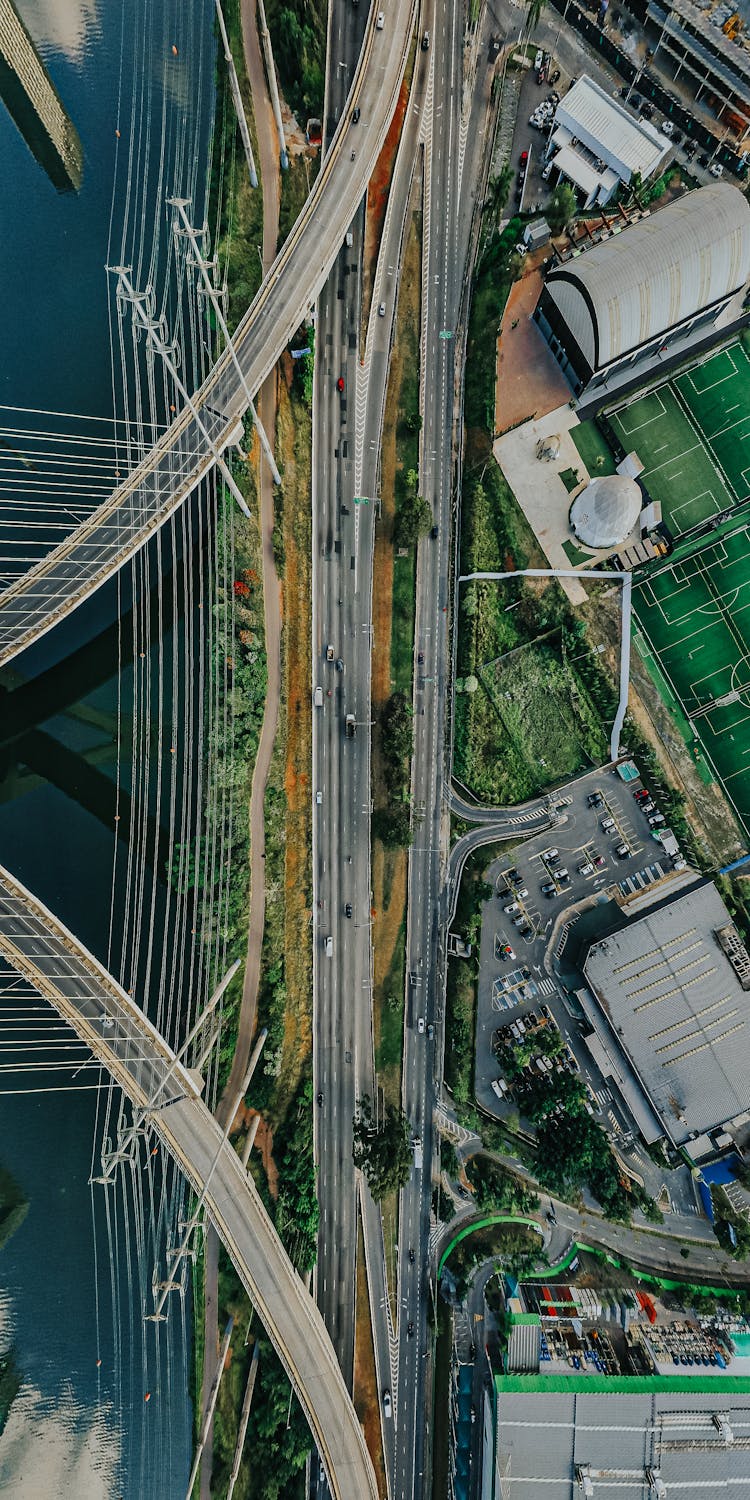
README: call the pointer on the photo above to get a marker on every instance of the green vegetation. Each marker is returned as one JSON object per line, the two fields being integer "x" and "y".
{"x": 392, "y": 825}
{"x": 571, "y": 479}
{"x": 731, "y": 1228}
{"x": 413, "y": 515}
{"x": 498, "y": 1191}
{"x": 463, "y": 974}
{"x": 382, "y": 1147}
{"x": 298, "y": 34}
{"x": 391, "y": 1042}
{"x": 297, "y": 1203}
{"x": 234, "y": 207}
{"x": 515, "y": 1249}
{"x": 562, "y": 207}
{"x": 593, "y": 448}
{"x": 492, "y": 282}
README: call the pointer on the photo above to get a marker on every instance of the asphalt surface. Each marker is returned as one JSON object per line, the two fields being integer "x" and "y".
{"x": 452, "y": 162}
{"x": 139, "y": 1060}
{"x": 185, "y": 453}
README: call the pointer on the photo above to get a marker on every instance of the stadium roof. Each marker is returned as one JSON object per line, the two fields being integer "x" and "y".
{"x": 679, "y": 1010}
{"x": 546, "y": 1430}
{"x": 605, "y": 127}
{"x": 630, "y": 289}
{"x": 606, "y": 511}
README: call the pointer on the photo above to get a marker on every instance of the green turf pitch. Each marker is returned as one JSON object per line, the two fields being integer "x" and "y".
{"x": 717, "y": 395}
{"x": 693, "y": 618}
{"x": 678, "y": 469}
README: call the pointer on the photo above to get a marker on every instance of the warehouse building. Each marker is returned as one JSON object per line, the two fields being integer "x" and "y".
{"x": 667, "y": 1002}
{"x": 666, "y": 285}
{"x": 651, "y": 1438}
{"x": 597, "y": 145}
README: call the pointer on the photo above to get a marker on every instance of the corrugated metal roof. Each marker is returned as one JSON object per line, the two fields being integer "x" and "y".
{"x": 625, "y": 291}
{"x": 679, "y": 1010}
{"x": 542, "y": 1437}
{"x": 607, "y": 128}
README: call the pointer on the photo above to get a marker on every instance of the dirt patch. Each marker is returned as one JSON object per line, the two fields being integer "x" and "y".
{"x": 706, "y": 807}
{"x": 366, "y": 1393}
{"x": 264, "y": 1147}
{"x": 377, "y": 195}
{"x": 529, "y": 381}
{"x": 294, "y": 452}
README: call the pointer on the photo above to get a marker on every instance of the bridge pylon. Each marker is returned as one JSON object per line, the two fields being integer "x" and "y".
{"x": 155, "y": 331}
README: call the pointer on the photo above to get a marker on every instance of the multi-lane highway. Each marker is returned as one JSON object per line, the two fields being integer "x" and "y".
{"x": 209, "y": 419}
{"x": 461, "y": 95}
{"x": 117, "y": 1032}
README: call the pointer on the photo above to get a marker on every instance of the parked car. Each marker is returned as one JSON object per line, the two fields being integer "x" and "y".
{"x": 667, "y": 127}
{"x": 599, "y": 861}
{"x": 642, "y": 795}
{"x": 511, "y": 909}
{"x": 607, "y": 824}
{"x": 623, "y": 851}
{"x": 656, "y": 820}
{"x": 546, "y": 171}
{"x": 595, "y": 799}
{"x": 716, "y": 169}
{"x": 587, "y": 869}
{"x": 524, "y": 158}
{"x": 549, "y": 888}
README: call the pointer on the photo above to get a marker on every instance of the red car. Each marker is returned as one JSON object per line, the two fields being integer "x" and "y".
{"x": 340, "y": 383}
{"x": 524, "y": 158}
{"x": 643, "y": 795}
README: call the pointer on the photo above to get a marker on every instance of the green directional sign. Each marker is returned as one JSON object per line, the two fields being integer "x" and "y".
{"x": 361, "y": 500}
{"x": 446, "y": 333}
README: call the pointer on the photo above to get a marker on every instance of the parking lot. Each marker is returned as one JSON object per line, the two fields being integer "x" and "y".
{"x": 538, "y": 893}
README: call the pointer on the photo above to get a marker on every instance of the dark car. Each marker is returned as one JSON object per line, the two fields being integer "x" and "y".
{"x": 704, "y": 158}
{"x": 320, "y": 1096}
{"x": 412, "y": 1256}
{"x": 420, "y": 658}
{"x": 348, "y": 909}
{"x": 355, "y": 116}
{"x": 410, "y": 1330}
{"x": 435, "y": 532}
{"x": 676, "y": 137}
{"x": 647, "y": 110}
{"x": 425, "y": 43}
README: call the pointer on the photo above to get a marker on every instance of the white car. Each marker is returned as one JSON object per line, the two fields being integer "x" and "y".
{"x": 380, "y": 23}
{"x": 538, "y": 60}
{"x": 318, "y": 798}
{"x": 546, "y": 171}
{"x": 420, "y": 1025}
{"x": 387, "y": 1404}
{"x": 716, "y": 169}
{"x": 381, "y": 310}
{"x": 667, "y": 127}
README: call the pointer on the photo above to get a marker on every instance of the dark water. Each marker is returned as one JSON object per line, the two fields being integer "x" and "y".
{"x": 74, "y": 1280}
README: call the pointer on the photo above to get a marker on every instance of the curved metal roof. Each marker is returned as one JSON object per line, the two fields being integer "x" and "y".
{"x": 606, "y": 511}
{"x": 659, "y": 272}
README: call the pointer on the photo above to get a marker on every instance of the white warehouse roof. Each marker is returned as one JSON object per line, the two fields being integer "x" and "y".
{"x": 609, "y": 130}
{"x": 658, "y": 273}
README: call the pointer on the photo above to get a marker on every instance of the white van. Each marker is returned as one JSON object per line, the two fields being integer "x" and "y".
{"x": 329, "y": 947}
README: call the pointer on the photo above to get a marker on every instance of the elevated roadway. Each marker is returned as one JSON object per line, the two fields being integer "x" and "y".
{"x": 118, "y": 1033}
{"x": 71, "y": 572}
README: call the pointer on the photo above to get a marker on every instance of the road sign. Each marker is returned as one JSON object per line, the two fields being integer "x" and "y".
{"x": 361, "y": 500}
{"x": 446, "y": 333}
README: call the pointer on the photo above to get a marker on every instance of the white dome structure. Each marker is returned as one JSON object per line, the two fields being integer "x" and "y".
{"x": 606, "y": 511}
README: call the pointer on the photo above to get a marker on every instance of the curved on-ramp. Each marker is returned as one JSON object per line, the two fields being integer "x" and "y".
{"x": 118, "y": 1033}
{"x": 81, "y": 563}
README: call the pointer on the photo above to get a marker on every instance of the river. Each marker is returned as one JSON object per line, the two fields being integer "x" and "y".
{"x": 104, "y": 1406}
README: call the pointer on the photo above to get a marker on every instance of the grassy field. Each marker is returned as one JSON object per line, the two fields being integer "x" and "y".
{"x": 593, "y": 448}
{"x": 693, "y": 437}
{"x": 693, "y": 629}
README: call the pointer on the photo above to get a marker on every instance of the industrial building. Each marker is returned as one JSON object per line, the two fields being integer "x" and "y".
{"x": 651, "y": 1438}
{"x": 667, "y": 1003}
{"x": 664, "y": 286}
{"x": 708, "y": 46}
{"x": 597, "y": 145}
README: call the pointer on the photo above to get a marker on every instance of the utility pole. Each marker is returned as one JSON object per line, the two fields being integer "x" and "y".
{"x": 155, "y": 334}
{"x": 110, "y": 1161}
{"x": 273, "y": 86}
{"x": 208, "y": 1419}
{"x": 181, "y": 204}
{"x": 183, "y": 1249}
{"x": 244, "y": 1419}
{"x": 237, "y": 97}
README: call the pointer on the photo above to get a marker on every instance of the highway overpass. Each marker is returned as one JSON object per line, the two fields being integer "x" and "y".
{"x": 118, "y": 1033}
{"x": 184, "y": 454}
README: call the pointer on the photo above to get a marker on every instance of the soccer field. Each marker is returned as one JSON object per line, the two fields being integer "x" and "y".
{"x": 693, "y": 437}
{"x": 693, "y": 622}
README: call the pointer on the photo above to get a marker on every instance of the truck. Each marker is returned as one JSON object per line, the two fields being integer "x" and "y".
{"x": 329, "y": 947}
{"x": 350, "y": 726}
{"x": 417, "y": 1149}
{"x": 318, "y": 697}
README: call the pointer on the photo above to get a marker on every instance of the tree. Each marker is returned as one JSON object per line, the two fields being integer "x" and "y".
{"x": 392, "y": 825}
{"x": 562, "y": 207}
{"x": 413, "y": 520}
{"x": 382, "y": 1147}
{"x": 534, "y": 10}
{"x": 498, "y": 189}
